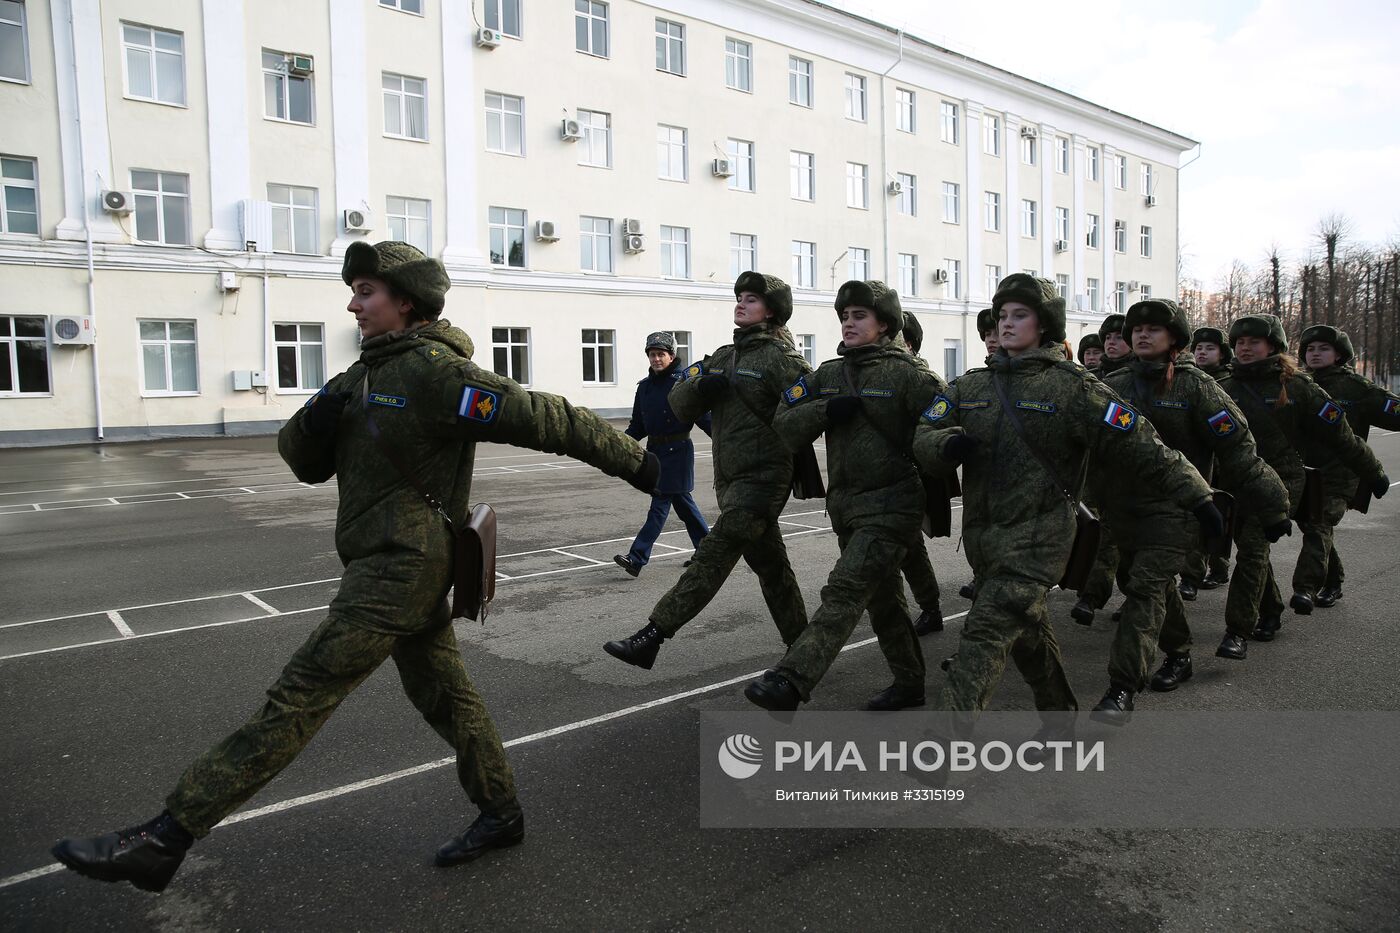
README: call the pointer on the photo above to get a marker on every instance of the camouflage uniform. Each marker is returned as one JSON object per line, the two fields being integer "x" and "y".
{"x": 1199, "y": 564}
{"x": 431, "y": 404}
{"x": 918, "y": 569}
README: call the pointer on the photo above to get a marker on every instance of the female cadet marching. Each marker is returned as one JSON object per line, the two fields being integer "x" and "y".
{"x": 918, "y": 569}
{"x": 1327, "y": 352}
{"x": 866, "y": 401}
{"x": 1091, "y": 351}
{"x": 414, "y": 399}
{"x": 1192, "y": 414}
{"x": 987, "y": 330}
{"x": 739, "y": 385}
{"x": 1022, "y": 429}
{"x": 1207, "y": 571}
{"x": 1287, "y": 413}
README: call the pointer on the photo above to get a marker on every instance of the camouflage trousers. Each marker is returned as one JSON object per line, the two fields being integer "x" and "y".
{"x": 1199, "y": 565}
{"x": 1315, "y": 568}
{"x": 737, "y": 533}
{"x": 1098, "y": 587}
{"x": 1147, "y": 577}
{"x": 866, "y": 575}
{"x": 331, "y": 663}
{"x": 1253, "y": 593}
{"x": 1008, "y": 618}
{"x": 918, "y": 570}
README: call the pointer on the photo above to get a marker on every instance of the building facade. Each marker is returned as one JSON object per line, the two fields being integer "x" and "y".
{"x": 180, "y": 180}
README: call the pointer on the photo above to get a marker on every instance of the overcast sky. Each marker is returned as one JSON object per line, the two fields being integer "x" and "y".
{"x": 1297, "y": 103}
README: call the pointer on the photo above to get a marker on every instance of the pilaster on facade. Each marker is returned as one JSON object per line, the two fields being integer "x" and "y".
{"x": 1110, "y": 246}
{"x": 82, "y": 119}
{"x": 1078, "y": 214}
{"x": 225, "y": 70}
{"x": 972, "y": 149}
{"x": 461, "y": 142}
{"x": 1011, "y": 155}
{"x": 349, "y": 113}
{"x": 1047, "y": 198}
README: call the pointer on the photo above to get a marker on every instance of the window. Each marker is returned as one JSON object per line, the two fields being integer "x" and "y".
{"x": 952, "y": 358}
{"x": 407, "y": 6}
{"x": 857, "y": 185}
{"x": 596, "y": 146}
{"x": 855, "y": 97}
{"x": 1062, "y": 223}
{"x": 948, "y": 122}
{"x": 286, "y": 96}
{"x": 1062, "y": 155}
{"x": 1120, "y": 297}
{"x": 993, "y": 279}
{"x": 741, "y": 163}
{"x": 405, "y": 106}
{"x": 24, "y": 355}
{"x": 19, "y": 195}
{"x": 807, "y": 343}
{"x": 507, "y": 228}
{"x": 1120, "y": 236}
{"x": 908, "y": 200}
{"x": 505, "y": 123}
{"x": 590, "y": 29}
{"x": 162, "y": 207}
{"x": 1091, "y": 293}
{"x": 1120, "y": 172}
{"x": 953, "y": 269}
{"x": 993, "y": 205}
{"x": 1028, "y": 147}
{"x": 951, "y": 197}
{"x": 409, "y": 222}
{"x": 1145, "y": 241}
{"x": 1091, "y": 163}
{"x": 670, "y": 153}
{"x": 598, "y": 357}
{"x": 738, "y": 65}
{"x": 1062, "y": 285}
{"x": 1146, "y": 179}
{"x": 503, "y": 16}
{"x": 682, "y": 338}
{"x": 155, "y": 64}
{"x": 904, "y": 119}
{"x": 293, "y": 220}
{"x": 301, "y": 356}
{"x": 1146, "y": 292}
{"x": 908, "y": 275}
{"x": 743, "y": 254}
{"x": 860, "y": 263}
{"x": 799, "y": 81}
{"x": 14, "y": 62}
{"x": 803, "y": 175}
{"x": 670, "y": 47}
{"x": 1029, "y": 218}
{"x": 804, "y": 264}
{"x": 168, "y": 358}
{"x": 1091, "y": 231}
{"x": 595, "y": 251}
{"x": 675, "y": 252}
{"x": 510, "y": 353}
{"x": 991, "y": 134}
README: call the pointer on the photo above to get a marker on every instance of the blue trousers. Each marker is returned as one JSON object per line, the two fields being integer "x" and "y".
{"x": 686, "y": 510}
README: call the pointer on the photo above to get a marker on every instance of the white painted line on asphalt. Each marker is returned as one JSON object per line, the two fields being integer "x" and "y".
{"x": 559, "y": 550}
{"x": 271, "y": 610}
{"x": 331, "y": 793}
{"x": 171, "y": 602}
{"x": 120, "y": 624}
{"x": 153, "y": 482}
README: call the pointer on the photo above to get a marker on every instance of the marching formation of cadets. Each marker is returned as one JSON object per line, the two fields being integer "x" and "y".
{"x": 1142, "y": 466}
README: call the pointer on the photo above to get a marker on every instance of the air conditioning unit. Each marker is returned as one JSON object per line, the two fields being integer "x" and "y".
{"x": 721, "y": 168}
{"x": 356, "y": 221}
{"x": 570, "y": 131}
{"x": 255, "y": 225}
{"x": 895, "y": 188}
{"x": 1061, "y": 245}
{"x": 488, "y": 38}
{"x": 544, "y": 230}
{"x": 299, "y": 65}
{"x": 1151, "y": 200}
{"x": 631, "y": 227}
{"x": 1134, "y": 286}
{"x": 633, "y": 243}
{"x": 940, "y": 276}
{"x": 72, "y": 330}
{"x": 117, "y": 202}
{"x": 1030, "y": 132}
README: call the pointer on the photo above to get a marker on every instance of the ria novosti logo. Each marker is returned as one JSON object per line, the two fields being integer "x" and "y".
{"x": 740, "y": 756}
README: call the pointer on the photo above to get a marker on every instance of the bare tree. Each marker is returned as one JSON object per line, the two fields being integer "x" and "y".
{"x": 1330, "y": 232}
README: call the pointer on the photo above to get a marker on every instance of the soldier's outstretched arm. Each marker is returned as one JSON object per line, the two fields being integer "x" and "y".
{"x": 307, "y": 441}
{"x": 1325, "y": 424}
{"x": 1381, "y": 408}
{"x": 801, "y": 415}
{"x": 1237, "y": 462}
{"x": 939, "y": 440}
{"x": 1117, "y": 434}
{"x": 685, "y": 399}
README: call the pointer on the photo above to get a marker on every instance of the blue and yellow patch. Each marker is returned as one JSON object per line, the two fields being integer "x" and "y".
{"x": 1222, "y": 423}
{"x": 938, "y": 410}
{"x": 392, "y": 401}
{"x": 974, "y": 403}
{"x": 312, "y": 400}
{"x": 1119, "y": 417}
{"x": 797, "y": 392}
{"x": 1047, "y": 408}
{"x": 479, "y": 405}
{"x": 1391, "y": 404}
{"x": 829, "y": 390}
{"x": 1329, "y": 412}
{"x": 1167, "y": 403}
{"x": 695, "y": 369}
{"x": 877, "y": 393}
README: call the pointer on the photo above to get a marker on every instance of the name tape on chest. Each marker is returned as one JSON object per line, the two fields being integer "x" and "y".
{"x": 479, "y": 405}
{"x": 1119, "y": 417}
{"x": 390, "y": 401}
{"x": 1168, "y": 403}
{"x": 1329, "y": 412}
{"x": 751, "y": 373}
{"x": 877, "y": 393}
{"x": 938, "y": 410}
{"x": 1222, "y": 423}
{"x": 974, "y": 403}
{"x": 797, "y": 392}
{"x": 1045, "y": 408}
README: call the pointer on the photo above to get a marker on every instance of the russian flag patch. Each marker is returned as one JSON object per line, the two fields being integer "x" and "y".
{"x": 1119, "y": 417}
{"x": 479, "y": 405}
{"x": 1222, "y": 424}
{"x": 1329, "y": 412}
{"x": 1391, "y": 404}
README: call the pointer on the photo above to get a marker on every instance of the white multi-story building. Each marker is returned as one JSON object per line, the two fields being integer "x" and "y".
{"x": 180, "y": 180}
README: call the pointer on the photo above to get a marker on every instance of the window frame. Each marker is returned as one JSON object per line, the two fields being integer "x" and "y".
{"x": 993, "y": 275}
{"x": 807, "y": 346}
{"x": 858, "y": 186}
{"x": 604, "y": 355}
{"x": 949, "y": 116}
{"x": 1120, "y": 236}
{"x": 1030, "y": 210}
{"x": 403, "y": 94}
{"x": 800, "y": 174}
{"x": 408, "y": 220}
{"x": 1145, "y": 241}
{"x": 860, "y": 256}
{"x": 804, "y": 264}
{"x": 503, "y": 116}
{"x": 152, "y": 71}
{"x": 1120, "y": 297}
{"x": 907, "y": 202}
{"x": 505, "y": 226}
{"x": 600, "y": 240}
{"x": 670, "y": 146}
{"x": 1091, "y": 162}
{"x": 590, "y": 20}
{"x": 160, "y": 195}
{"x": 142, "y": 343}
{"x": 1030, "y": 153}
{"x": 738, "y": 249}
{"x": 499, "y": 7}
{"x": 589, "y": 137}
{"x": 741, "y": 152}
{"x": 798, "y": 81}
{"x": 907, "y": 273}
{"x": 1092, "y": 289}
{"x": 857, "y": 92}
{"x": 738, "y": 59}
{"x": 666, "y": 41}
{"x": 952, "y": 190}
{"x": 508, "y": 345}
{"x": 9, "y": 348}
{"x": 669, "y": 242}
{"x": 1062, "y": 225}
{"x": 1146, "y": 179}
{"x": 292, "y": 208}
{"x": 30, "y": 184}
{"x": 1062, "y": 155}
{"x": 991, "y": 133}
{"x": 909, "y": 107}
{"x": 953, "y": 267}
{"x": 398, "y": 6}
{"x": 991, "y": 201}
{"x": 1120, "y": 171}
{"x": 286, "y": 78}
{"x": 23, "y": 26}
{"x": 1092, "y": 223}
{"x": 303, "y": 386}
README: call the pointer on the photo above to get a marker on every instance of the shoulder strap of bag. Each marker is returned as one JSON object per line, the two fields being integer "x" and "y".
{"x": 1039, "y": 456}
{"x": 394, "y": 457}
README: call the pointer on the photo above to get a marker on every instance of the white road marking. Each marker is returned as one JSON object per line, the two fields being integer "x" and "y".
{"x": 120, "y": 624}
{"x": 331, "y": 793}
{"x": 271, "y": 610}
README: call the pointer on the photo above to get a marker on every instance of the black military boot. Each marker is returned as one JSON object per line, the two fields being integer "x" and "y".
{"x": 1082, "y": 612}
{"x": 1187, "y": 589}
{"x": 1327, "y": 597}
{"x": 487, "y": 832}
{"x": 1233, "y": 647}
{"x": 1116, "y": 707}
{"x": 929, "y": 621}
{"x": 1266, "y": 628}
{"x": 1117, "y": 614}
{"x": 639, "y": 650}
{"x": 967, "y": 591}
{"x": 627, "y": 564}
{"x": 1212, "y": 581}
{"x": 773, "y": 692}
{"x": 146, "y": 855}
{"x": 1301, "y": 603}
{"x": 896, "y": 696}
{"x": 1175, "y": 670}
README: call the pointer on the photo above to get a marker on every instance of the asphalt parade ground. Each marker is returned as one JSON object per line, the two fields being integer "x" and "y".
{"x": 152, "y": 591}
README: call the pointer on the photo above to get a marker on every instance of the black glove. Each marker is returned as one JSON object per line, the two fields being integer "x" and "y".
{"x": 958, "y": 448}
{"x": 842, "y": 408}
{"x": 323, "y": 417}
{"x": 1274, "y": 532}
{"x": 1381, "y": 486}
{"x": 1212, "y": 522}
{"x": 713, "y": 388}
{"x": 647, "y": 474}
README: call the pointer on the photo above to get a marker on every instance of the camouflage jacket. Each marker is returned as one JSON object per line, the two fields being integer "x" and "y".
{"x": 1365, "y": 404}
{"x": 753, "y": 467}
{"x": 871, "y": 476}
{"x": 1016, "y": 521}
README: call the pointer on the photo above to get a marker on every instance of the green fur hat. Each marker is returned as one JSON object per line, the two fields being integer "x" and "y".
{"x": 404, "y": 269}
{"x": 1327, "y": 334}
{"x": 878, "y": 297}
{"x": 1113, "y": 324}
{"x": 986, "y": 322}
{"x": 1036, "y": 293}
{"x": 776, "y": 295}
{"x": 1089, "y": 342}
{"x": 1158, "y": 311}
{"x": 1216, "y": 336}
{"x": 913, "y": 332}
{"x": 1267, "y": 326}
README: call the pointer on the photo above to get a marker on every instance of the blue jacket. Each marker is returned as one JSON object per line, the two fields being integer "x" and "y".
{"x": 652, "y": 418}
